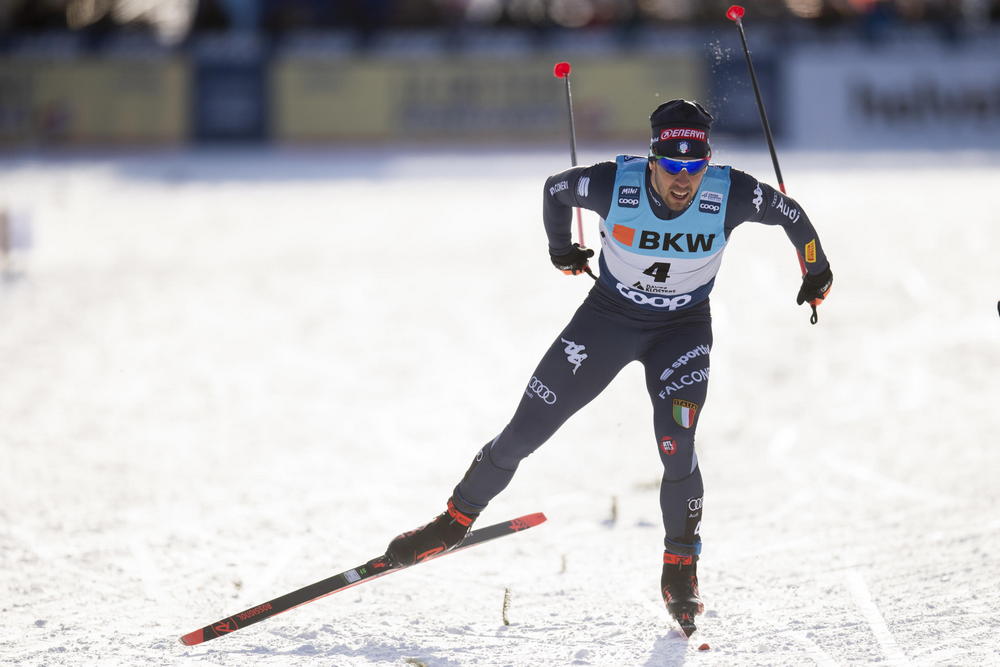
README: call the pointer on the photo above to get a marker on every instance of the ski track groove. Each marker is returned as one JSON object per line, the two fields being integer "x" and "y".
{"x": 864, "y": 601}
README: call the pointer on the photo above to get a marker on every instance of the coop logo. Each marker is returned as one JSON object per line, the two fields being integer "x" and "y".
{"x": 536, "y": 388}
{"x": 559, "y": 187}
{"x": 628, "y": 196}
{"x": 710, "y": 202}
{"x": 654, "y": 301}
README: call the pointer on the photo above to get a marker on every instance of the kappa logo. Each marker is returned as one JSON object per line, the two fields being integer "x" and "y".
{"x": 758, "y": 197}
{"x": 628, "y": 196}
{"x": 574, "y": 354}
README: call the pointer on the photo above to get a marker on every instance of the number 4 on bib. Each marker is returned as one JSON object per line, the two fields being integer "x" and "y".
{"x": 659, "y": 272}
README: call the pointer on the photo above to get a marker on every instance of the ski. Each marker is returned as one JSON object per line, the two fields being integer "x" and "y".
{"x": 373, "y": 569}
{"x": 687, "y": 625}
{"x": 683, "y": 615}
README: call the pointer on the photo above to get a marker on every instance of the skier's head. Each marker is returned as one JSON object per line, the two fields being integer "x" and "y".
{"x": 679, "y": 151}
{"x": 680, "y": 130}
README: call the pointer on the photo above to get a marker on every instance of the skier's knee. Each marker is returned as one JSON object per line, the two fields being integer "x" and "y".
{"x": 678, "y": 468}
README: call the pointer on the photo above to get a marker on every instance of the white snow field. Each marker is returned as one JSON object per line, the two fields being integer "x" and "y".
{"x": 224, "y": 376}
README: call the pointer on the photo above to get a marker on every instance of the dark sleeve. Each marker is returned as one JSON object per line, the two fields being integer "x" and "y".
{"x": 753, "y": 201}
{"x": 583, "y": 187}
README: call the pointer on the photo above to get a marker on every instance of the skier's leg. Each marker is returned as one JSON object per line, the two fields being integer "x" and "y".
{"x": 581, "y": 362}
{"x": 677, "y": 370}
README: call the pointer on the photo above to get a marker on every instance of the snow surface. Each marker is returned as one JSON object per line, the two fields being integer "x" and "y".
{"x": 227, "y": 375}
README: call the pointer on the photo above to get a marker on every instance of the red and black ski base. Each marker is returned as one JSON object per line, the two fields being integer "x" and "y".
{"x": 373, "y": 569}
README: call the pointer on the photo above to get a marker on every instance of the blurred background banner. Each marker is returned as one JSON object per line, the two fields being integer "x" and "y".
{"x": 474, "y": 99}
{"x": 917, "y": 95}
{"x": 834, "y": 73}
{"x": 229, "y": 74}
{"x": 93, "y": 101}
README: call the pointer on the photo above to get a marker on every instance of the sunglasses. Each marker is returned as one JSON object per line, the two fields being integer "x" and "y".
{"x": 674, "y": 167}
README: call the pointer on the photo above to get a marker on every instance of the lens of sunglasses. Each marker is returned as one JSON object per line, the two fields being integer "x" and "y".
{"x": 675, "y": 167}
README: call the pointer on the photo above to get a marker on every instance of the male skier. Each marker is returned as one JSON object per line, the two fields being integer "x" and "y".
{"x": 666, "y": 220}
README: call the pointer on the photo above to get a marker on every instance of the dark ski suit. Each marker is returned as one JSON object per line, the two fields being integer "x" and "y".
{"x": 650, "y": 304}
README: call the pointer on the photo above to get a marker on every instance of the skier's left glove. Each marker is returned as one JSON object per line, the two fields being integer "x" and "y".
{"x": 573, "y": 262}
{"x": 814, "y": 289}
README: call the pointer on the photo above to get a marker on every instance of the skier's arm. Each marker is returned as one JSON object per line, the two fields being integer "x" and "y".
{"x": 583, "y": 187}
{"x": 752, "y": 201}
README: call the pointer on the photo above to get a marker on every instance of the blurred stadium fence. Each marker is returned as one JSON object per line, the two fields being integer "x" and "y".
{"x": 917, "y": 92}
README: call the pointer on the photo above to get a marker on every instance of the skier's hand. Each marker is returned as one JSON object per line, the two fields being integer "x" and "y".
{"x": 815, "y": 287}
{"x": 574, "y": 261}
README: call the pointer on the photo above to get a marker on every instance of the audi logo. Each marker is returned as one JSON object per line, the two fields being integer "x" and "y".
{"x": 694, "y": 504}
{"x": 536, "y": 387}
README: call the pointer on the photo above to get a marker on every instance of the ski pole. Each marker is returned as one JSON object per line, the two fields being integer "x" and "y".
{"x": 561, "y": 71}
{"x": 735, "y": 14}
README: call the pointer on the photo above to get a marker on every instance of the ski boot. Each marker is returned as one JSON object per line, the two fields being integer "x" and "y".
{"x": 679, "y": 586}
{"x": 433, "y": 539}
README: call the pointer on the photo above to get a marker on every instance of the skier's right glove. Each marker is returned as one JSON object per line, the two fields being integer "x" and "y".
{"x": 574, "y": 261}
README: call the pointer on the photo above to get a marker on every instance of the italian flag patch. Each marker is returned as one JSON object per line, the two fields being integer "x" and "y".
{"x": 684, "y": 412}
